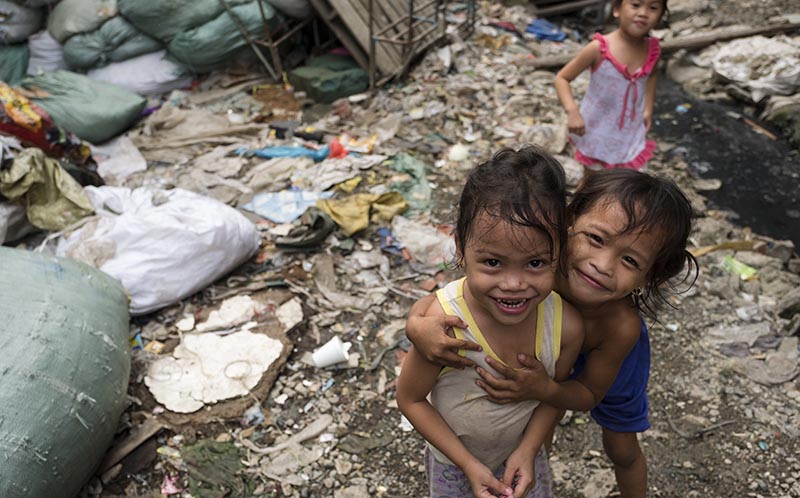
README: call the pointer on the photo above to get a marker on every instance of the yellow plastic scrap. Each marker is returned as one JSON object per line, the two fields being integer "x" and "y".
{"x": 349, "y": 185}
{"x": 744, "y": 271}
{"x": 352, "y": 214}
{"x": 53, "y": 199}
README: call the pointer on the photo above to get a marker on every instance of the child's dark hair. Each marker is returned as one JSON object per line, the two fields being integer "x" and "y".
{"x": 650, "y": 203}
{"x": 524, "y": 187}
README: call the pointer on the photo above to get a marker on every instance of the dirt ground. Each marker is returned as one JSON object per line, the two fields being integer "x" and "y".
{"x": 716, "y": 432}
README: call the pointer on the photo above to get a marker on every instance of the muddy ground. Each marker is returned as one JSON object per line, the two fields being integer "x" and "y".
{"x": 724, "y": 409}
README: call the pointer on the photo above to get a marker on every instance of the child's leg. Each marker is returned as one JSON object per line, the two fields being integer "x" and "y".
{"x": 630, "y": 465}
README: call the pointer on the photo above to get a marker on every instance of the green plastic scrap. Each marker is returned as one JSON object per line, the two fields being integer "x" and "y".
{"x": 744, "y": 271}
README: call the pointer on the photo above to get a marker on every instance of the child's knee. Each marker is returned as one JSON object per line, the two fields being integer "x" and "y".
{"x": 622, "y": 448}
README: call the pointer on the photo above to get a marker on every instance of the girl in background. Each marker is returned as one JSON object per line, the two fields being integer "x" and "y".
{"x": 609, "y": 130}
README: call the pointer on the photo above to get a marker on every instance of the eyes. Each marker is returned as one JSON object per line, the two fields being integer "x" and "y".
{"x": 534, "y": 263}
{"x": 597, "y": 241}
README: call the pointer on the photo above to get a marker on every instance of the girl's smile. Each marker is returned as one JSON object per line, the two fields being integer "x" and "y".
{"x": 509, "y": 271}
{"x": 605, "y": 263}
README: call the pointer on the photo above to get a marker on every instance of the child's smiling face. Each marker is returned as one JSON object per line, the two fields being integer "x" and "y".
{"x": 509, "y": 270}
{"x": 638, "y": 17}
{"x": 603, "y": 263}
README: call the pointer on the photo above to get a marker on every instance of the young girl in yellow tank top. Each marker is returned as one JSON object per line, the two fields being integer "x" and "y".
{"x": 509, "y": 233}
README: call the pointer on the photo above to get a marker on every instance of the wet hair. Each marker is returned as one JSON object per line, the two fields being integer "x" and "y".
{"x": 651, "y": 203}
{"x": 525, "y": 187}
{"x": 664, "y": 13}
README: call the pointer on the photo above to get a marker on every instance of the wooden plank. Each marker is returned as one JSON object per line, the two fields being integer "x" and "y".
{"x": 390, "y": 58}
{"x": 690, "y": 42}
{"x": 357, "y": 20}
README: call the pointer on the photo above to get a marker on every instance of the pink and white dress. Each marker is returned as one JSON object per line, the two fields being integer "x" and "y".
{"x": 613, "y": 110}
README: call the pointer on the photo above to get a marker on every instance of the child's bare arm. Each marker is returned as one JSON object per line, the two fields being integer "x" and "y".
{"x": 416, "y": 380}
{"x": 585, "y": 392}
{"x": 649, "y": 100}
{"x": 587, "y": 57}
{"x": 427, "y": 328}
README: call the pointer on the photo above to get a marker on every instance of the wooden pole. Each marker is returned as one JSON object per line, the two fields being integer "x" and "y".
{"x": 690, "y": 42}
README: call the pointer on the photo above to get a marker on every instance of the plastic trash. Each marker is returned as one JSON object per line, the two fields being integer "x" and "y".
{"x": 544, "y": 30}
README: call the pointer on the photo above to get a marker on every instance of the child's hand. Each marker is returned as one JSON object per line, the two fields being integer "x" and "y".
{"x": 531, "y": 382}
{"x": 428, "y": 333}
{"x": 520, "y": 473}
{"x": 575, "y": 123}
{"x": 648, "y": 120}
{"x": 484, "y": 483}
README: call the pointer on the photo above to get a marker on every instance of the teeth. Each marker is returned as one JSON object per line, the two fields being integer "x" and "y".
{"x": 517, "y": 303}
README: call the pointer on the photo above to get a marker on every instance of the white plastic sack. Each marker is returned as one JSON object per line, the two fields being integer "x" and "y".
{"x": 46, "y": 54}
{"x": 162, "y": 245}
{"x": 148, "y": 74}
{"x": 118, "y": 159}
{"x": 766, "y": 66}
{"x": 427, "y": 244}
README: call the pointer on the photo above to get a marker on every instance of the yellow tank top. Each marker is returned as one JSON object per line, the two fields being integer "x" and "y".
{"x": 491, "y": 432}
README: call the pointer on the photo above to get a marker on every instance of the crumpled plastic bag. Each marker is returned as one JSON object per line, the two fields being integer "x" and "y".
{"x": 163, "y": 245}
{"x": 766, "y": 66}
{"x": 53, "y": 199}
{"x": 352, "y": 214}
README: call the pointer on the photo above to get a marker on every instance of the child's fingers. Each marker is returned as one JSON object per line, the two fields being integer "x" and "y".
{"x": 499, "y": 487}
{"x": 498, "y": 395}
{"x": 453, "y": 359}
{"x": 464, "y": 344}
{"x": 523, "y": 486}
{"x": 508, "y": 373}
{"x": 508, "y": 475}
{"x": 453, "y": 321}
{"x": 529, "y": 361}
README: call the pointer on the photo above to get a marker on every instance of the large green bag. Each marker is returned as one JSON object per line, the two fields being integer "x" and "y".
{"x": 63, "y": 372}
{"x": 216, "y": 41}
{"x": 93, "y": 110}
{"x": 13, "y": 63}
{"x": 164, "y": 19}
{"x": 116, "y": 40}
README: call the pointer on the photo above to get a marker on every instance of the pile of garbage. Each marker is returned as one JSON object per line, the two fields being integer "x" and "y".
{"x": 271, "y": 246}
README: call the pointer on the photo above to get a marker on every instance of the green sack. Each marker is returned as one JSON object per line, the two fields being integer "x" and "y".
{"x": 13, "y": 63}
{"x": 116, "y": 40}
{"x": 71, "y": 17}
{"x": 217, "y": 40}
{"x": 163, "y": 20}
{"x": 93, "y": 110}
{"x": 63, "y": 372}
{"x": 329, "y": 77}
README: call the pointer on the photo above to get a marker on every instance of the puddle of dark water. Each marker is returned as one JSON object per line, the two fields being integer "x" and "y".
{"x": 760, "y": 177}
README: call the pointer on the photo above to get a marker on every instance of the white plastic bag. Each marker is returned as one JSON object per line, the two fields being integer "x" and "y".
{"x": 47, "y": 54}
{"x": 163, "y": 245}
{"x": 147, "y": 74}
